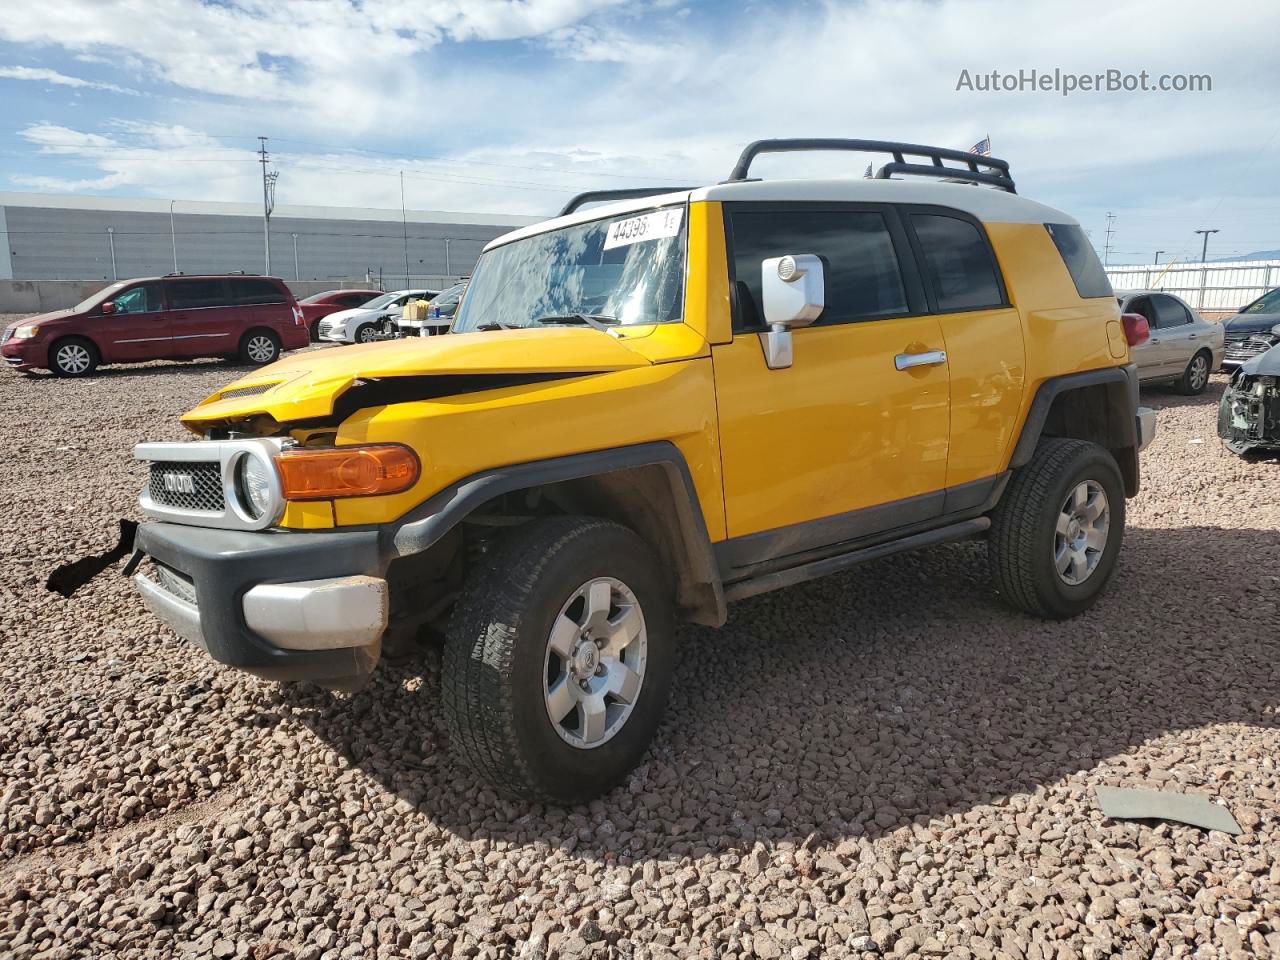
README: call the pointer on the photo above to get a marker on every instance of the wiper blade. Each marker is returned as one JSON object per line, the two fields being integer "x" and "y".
{"x": 597, "y": 321}
{"x": 496, "y": 325}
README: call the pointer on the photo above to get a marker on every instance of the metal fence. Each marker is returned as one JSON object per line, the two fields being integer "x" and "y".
{"x": 1211, "y": 287}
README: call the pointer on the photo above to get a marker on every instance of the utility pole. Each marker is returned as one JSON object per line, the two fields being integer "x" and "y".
{"x": 1106, "y": 250}
{"x": 173, "y": 237}
{"x": 404, "y": 223}
{"x": 268, "y": 199}
{"x": 1158, "y": 252}
{"x": 1204, "y": 248}
{"x": 111, "y": 239}
{"x": 297, "y": 274}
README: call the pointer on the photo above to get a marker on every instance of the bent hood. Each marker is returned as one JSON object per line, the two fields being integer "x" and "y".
{"x": 1251, "y": 322}
{"x": 307, "y": 385}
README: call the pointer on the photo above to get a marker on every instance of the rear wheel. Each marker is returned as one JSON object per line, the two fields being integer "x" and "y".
{"x": 1056, "y": 532}
{"x": 558, "y": 659}
{"x": 1196, "y": 377}
{"x": 73, "y": 357}
{"x": 260, "y": 347}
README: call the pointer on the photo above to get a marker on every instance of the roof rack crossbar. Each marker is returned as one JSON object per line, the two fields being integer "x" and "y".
{"x": 624, "y": 193}
{"x": 991, "y": 171}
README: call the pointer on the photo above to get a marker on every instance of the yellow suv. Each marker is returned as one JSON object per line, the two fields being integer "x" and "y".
{"x": 647, "y": 410}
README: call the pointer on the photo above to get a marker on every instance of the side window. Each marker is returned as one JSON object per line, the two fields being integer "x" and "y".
{"x": 1081, "y": 260}
{"x": 193, "y": 294}
{"x": 958, "y": 263}
{"x": 864, "y": 279}
{"x": 1169, "y": 312}
{"x": 144, "y": 298}
{"x": 352, "y": 300}
{"x": 253, "y": 290}
{"x": 1142, "y": 305}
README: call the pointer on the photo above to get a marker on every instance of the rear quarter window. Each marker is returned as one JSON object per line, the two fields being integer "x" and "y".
{"x": 255, "y": 290}
{"x": 1081, "y": 260}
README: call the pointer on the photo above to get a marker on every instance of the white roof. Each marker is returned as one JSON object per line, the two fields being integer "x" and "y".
{"x": 988, "y": 204}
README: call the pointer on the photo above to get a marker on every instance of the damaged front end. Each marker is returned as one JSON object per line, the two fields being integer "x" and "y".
{"x": 1249, "y": 414}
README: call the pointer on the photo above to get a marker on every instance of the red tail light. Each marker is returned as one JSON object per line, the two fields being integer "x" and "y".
{"x": 1136, "y": 328}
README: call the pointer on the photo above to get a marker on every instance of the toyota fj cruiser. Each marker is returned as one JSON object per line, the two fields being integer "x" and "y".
{"x": 647, "y": 410}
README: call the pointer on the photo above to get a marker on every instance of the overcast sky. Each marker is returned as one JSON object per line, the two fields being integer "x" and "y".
{"x": 513, "y": 105}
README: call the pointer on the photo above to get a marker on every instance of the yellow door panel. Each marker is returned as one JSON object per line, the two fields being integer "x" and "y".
{"x": 839, "y": 430}
{"x": 988, "y": 375}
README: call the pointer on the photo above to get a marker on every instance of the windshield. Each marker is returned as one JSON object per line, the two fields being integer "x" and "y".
{"x": 101, "y": 296}
{"x": 378, "y": 302}
{"x": 1268, "y": 304}
{"x": 626, "y": 269}
{"x": 449, "y": 296}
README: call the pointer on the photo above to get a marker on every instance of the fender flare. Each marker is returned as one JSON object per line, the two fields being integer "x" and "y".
{"x": 426, "y": 524}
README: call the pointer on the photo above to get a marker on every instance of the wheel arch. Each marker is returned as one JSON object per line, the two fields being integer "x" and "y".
{"x": 60, "y": 339}
{"x": 647, "y": 488}
{"x": 1096, "y": 405}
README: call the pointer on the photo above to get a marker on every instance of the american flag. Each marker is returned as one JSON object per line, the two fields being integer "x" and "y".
{"x": 983, "y": 147}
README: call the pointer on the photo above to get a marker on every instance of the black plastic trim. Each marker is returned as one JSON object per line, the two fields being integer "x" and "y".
{"x": 1033, "y": 426}
{"x": 624, "y": 193}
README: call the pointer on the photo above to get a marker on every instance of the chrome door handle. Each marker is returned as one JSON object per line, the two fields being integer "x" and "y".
{"x": 930, "y": 358}
{"x": 1192, "y": 336}
{"x": 1153, "y": 340}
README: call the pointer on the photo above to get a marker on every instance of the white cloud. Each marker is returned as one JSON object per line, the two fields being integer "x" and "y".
{"x": 44, "y": 75}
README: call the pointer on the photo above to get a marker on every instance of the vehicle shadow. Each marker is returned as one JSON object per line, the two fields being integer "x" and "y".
{"x": 898, "y": 692}
{"x": 1161, "y": 395}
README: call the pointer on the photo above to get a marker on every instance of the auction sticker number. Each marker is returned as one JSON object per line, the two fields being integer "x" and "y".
{"x": 649, "y": 226}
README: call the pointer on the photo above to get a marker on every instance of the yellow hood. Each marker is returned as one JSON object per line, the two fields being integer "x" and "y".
{"x": 306, "y": 385}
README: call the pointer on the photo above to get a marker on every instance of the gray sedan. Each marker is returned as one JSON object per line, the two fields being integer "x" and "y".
{"x": 1183, "y": 348}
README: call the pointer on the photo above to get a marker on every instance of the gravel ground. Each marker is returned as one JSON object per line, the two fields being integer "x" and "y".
{"x": 883, "y": 762}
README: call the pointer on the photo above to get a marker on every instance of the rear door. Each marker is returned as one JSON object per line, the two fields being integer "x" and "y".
{"x": 138, "y": 326}
{"x": 1177, "y": 334}
{"x": 203, "y": 323}
{"x": 263, "y": 303}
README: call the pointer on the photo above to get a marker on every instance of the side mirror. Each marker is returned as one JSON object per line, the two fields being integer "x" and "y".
{"x": 109, "y": 307}
{"x": 793, "y": 294}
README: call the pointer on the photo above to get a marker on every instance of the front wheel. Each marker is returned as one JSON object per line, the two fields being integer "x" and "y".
{"x": 73, "y": 357}
{"x": 367, "y": 333}
{"x": 1056, "y": 532}
{"x": 558, "y": 659}
{"x": 1196, "y": 377}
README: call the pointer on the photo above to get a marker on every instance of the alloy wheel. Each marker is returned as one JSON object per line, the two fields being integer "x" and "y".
{"x": 1080, "y": 535}
{"x": 595, "y": 661}
{"x": 260, "y": 349}
{"x": 73, "y": 358}
{"x": 1199, "y": 372}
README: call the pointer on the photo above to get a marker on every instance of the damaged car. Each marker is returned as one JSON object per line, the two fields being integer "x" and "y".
{"x": 1249, "y": 414}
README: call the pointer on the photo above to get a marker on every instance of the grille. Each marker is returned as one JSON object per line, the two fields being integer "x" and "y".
{"x": 325, "y": 328}
{"x": 174, "y": 582}
{"x": 187, "y": 486}
{"x": 1242, "y": 350}
{"x": 245, "y": 391}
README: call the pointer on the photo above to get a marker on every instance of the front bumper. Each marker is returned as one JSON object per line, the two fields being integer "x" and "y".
{"x": 1249, "y": 413}
{"x": 28, "y": 354}
{"x": 221, "y": 589}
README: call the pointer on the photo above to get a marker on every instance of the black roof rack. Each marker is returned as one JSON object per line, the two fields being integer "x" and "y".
{"x": 977, "y": 169}
{"x": 625, "y": 193}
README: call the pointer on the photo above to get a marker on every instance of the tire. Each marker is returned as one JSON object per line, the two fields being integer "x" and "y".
{"x": 260, "y": 347}
{"x": 365, "y": 333}
{"x": 73, "y": 357}
{"x": 1195, "y": 378}
{"x": 1026, "y": 548}
{"x": 502, "y": 679}
{"x": 315, "y": 332}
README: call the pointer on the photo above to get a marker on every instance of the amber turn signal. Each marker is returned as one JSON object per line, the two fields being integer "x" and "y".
{"x": 329, "y": 472}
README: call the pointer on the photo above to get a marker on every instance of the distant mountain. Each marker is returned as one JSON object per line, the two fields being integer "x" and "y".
{"x": 1256, "y": 255}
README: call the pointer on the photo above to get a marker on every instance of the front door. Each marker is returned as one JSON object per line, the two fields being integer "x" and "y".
{"x": 850, "y": 440}
{"x": 137, "y": 328}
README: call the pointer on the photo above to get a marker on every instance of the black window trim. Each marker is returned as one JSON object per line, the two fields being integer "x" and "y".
{"x": 906, "y": 211}
{"x": 908, "y": 268}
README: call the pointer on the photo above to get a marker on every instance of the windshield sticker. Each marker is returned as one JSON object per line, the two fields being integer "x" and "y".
{"x": 650, "y": 226}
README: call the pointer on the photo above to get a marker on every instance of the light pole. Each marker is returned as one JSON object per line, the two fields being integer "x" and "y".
{"x": 1158, "y": 252}
{"x": 173, "y": 237}
{"x": 448, "y": 270}
{"x": 1204, "y": 248}
{"x": 404, "y": 225}
{"x": 296, "y": 274}
{"x": 111, "y": 239}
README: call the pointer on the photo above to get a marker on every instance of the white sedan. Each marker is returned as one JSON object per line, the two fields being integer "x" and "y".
{"x": 376, "y": 320}
{"x": 1184, "y": 348}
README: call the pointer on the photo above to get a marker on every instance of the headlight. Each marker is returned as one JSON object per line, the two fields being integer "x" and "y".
{"x": 27, "y": 332}
{"x": 254, "y": 479}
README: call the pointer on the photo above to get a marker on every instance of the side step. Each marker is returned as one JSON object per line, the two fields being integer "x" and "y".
{"x": 820, "y": 568}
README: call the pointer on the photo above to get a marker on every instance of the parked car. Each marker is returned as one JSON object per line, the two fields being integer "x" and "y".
{"x": 440, "y": 311}
{"x": 1249, "y": 412}
{"x": 634, "y": 423}
{"x": 1183, "y": 348}
{"x": 1252, "y": 330}
{"x": 320, "y": 305}
{"x": 162, "y": 318}
{"x": 378, "y": 319}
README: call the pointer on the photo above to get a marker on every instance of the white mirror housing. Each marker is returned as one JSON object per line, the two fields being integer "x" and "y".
{"x": 793, "y": 294}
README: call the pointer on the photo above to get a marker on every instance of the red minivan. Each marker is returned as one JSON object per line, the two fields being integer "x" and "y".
{"x": 161, "y": 318}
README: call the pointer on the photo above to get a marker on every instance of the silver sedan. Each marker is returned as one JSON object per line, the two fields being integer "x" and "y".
{"x": 1183, "y": 348}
